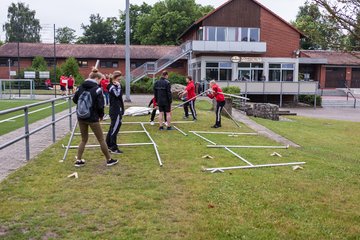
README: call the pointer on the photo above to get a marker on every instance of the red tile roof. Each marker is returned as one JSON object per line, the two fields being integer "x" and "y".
{"x": 87, "y": 51}
{"x": 334, "y": 57}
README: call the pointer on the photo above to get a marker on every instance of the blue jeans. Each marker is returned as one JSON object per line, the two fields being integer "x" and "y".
{"x": 106, "y": 95}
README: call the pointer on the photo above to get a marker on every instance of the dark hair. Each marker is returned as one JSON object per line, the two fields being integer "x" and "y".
{"x": 165, "y": 73}
{"x": 95, "y": 74}
{"x": 189, "y": 77}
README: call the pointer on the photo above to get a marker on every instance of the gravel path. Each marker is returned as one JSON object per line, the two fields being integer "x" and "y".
{"x": 261, "y": 129}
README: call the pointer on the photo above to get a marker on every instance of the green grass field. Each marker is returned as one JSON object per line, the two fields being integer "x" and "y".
{"x": 137, "y": 199}
{"x": 11, "y": 125}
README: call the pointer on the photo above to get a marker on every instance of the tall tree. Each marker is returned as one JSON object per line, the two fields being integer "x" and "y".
{"x": 22, "y": 26}
{"x": 136, "y": 11}
{"x": 354, "y": 41}
{"x": 65, "y": 35}
{"x": 343, "y": 12}
{"x": 99, "y": 31}
{"x": 167, "y": 20}
{"x": 321, "y": 32}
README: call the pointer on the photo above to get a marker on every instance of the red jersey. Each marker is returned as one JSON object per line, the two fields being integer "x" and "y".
{"x": 63, "y": 81}
{"x": 190, "y": 88}
{"x": 104, "y": 83}
{"x": 70, "y": 82}
{"x": 217, "y": 93}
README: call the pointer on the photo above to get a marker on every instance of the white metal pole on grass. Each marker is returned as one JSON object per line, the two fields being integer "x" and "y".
{"x": 255, "y": 166}
{"x": 70, "y": 140}
{"x": 181, "y": 131}
{"x": 121, "y": 132}
{"x": 154, "y": 144}
{"x": 234, "y": 146}
{"x": 237, "y": 124}
{"x": 240, "y": 157}
{"x": 225, "y": 133}
{"x": 203, "y": 138}
{"x": 119, "y": 145}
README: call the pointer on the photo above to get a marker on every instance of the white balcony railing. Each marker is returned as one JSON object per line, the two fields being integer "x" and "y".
{"x": 230, "y": 47}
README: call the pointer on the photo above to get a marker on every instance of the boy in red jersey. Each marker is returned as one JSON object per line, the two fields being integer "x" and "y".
{"x": 190, "y": 92}
{"x": 216, "y": 92}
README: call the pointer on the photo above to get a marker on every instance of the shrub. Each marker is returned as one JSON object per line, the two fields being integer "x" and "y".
{"x": 175, "y": 78}
{"x": 232, "y": 90}
{"x": 71, "y": 67}
{"x": 145, "y": 85}
{"x": 309, "y": 99}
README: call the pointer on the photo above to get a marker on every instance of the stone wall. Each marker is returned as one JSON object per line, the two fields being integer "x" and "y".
{"x": 265, "y": 110}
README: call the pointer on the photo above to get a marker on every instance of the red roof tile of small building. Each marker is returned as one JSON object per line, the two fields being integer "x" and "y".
{"x": 86, "y": 51}
{"x": 334, "y": 57}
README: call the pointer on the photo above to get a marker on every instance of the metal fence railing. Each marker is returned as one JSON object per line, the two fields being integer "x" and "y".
{"x": 27, "y": 132}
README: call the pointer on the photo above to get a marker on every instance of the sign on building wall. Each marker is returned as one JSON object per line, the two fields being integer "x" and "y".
{"x": 29, "y": 74}
{"x": 12, "y": 73}
{"x": 251, "y": 59}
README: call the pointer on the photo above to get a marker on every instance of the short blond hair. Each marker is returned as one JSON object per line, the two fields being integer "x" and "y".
{"x": 212, "y": 82}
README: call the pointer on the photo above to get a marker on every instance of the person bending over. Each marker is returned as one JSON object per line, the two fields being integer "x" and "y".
{"x": 153, "y": 113}
{"x": 90, "y": 110}
{"x": 116, "y": 112}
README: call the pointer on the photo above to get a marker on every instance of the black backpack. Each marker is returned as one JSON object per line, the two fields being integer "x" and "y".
{"x": 84, "y": 105}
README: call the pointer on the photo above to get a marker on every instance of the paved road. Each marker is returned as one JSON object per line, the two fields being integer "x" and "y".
{"x": 344, "y": 114}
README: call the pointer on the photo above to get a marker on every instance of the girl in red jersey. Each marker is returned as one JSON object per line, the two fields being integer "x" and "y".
{"x": 104, "y": 86}
{"x": 190, "y": 92}
{"x": 216, "y": 92}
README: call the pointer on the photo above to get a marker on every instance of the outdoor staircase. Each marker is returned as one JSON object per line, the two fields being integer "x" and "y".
{"x": 340, "y": 102}
{"x": 149, "y": 68}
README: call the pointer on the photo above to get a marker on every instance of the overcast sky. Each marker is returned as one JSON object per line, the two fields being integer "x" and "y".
{"x": 72, "y": 13}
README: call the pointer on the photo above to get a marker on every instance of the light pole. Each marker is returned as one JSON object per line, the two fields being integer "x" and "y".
{"x": 127, "y": 52}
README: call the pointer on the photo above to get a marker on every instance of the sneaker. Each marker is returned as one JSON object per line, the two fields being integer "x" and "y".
{"x": 195, "y": 119}
{"x": 215, "y": 126}
{"x": 152, "y": 123}
{"x": 166, "y": 123}
{"x": 185, "y": 117}
{"x": 79, "y": 163}
{"x": 161, "y": 128}
{"x": 169, "y": 128}
{"x": 116, "y": 151}
{"x": 111, "y": 162}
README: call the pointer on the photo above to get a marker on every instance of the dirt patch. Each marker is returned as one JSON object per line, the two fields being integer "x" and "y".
{"x": 3, "y": 231}
{"x": 49, "y": 235}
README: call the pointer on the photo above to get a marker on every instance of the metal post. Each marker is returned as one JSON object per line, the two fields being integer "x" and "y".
{"x": 315, "y": 100}
{"x": 1, "y": 89}
{"x": 55, "y": 60}
{"x": 127, "y": 52}
{"x": 154, "y": 144}
{"x": 27, "y": 136}
{"x": 53, "y": 121}
{"x": 281, "y": 93}
{"x": 18, "y": 49}
{"x": 70, "y": 140}
{"x": 9, "y": 68}
{"x": 70, "y": 114}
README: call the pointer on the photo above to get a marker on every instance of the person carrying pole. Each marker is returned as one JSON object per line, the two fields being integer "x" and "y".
{"x": 216, "y": 92}
{"x": 90, "y": 111}
{"x": 116, "y": 112}
{"x": 163, "y": 97}
{"x": 190, "y": 92}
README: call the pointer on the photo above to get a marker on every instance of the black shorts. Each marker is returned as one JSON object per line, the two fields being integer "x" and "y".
{"x": 62, "y": 88}
{"x": 71, "y": 87}
{"x": 164, "y": 108}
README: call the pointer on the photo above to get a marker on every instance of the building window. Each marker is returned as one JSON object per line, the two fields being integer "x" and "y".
{"x": 109, "y": 64}
{"x": 220, "y": 34}
{"x": 251, "y": 71}
{"x": 281, "y": 72}
{"x": 231, "y": 34}
{"x": 4, "y": 62}
{"x": 249, "y": 34}
{"x": 211, "y": 33}
{"x": 219, "y": 71}
{"x": 200, "y": 34}
{"x": 83, "y": 63}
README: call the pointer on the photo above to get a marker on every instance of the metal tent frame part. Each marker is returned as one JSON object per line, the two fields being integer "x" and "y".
{"x": 68, "y": 147}
{"x": 249, "y": 164}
